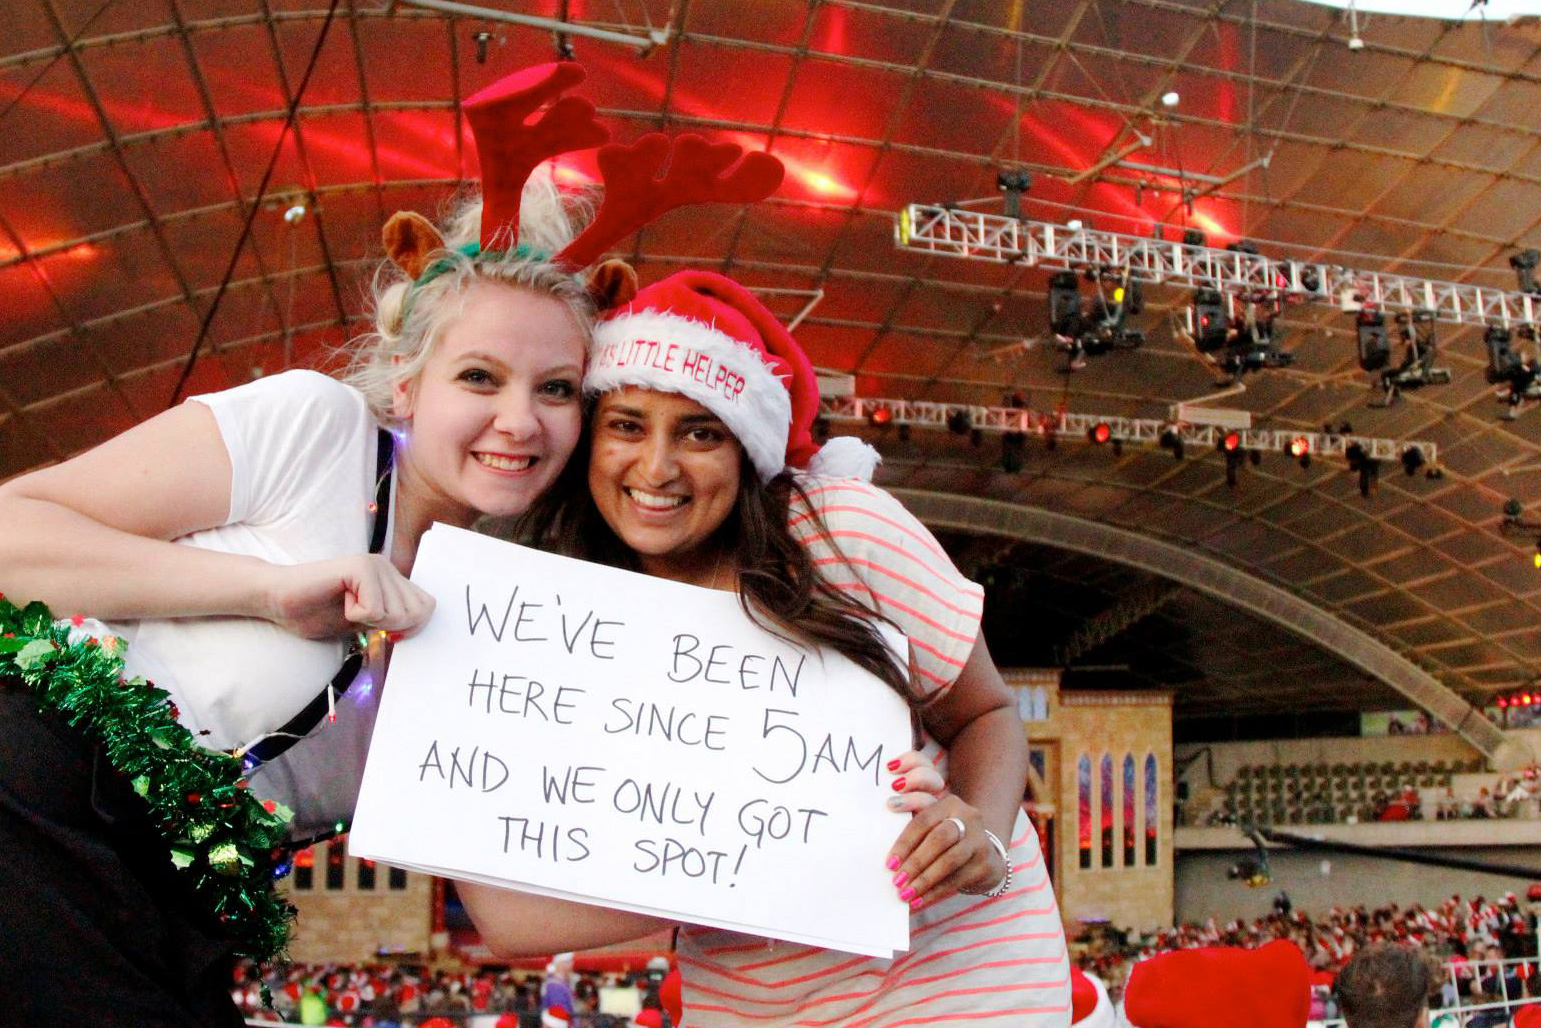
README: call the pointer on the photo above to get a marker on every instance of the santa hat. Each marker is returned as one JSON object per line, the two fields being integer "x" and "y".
{"x": 1089, "y": 1003}
{"x": 1221, "y": 987}
{"x": 647, "y": 1019}
{"x": 707, "y": 338}
{"x": 555, "y": 1017}
{"x": 669, "y": 995}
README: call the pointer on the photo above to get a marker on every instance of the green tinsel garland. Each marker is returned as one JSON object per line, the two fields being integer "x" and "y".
{"x": 228, "y": 844}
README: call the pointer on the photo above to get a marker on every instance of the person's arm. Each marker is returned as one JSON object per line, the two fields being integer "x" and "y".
{"x": 519, "y": 924}
{"x": 986, "y": 744}
{"x": 92, "y": 536}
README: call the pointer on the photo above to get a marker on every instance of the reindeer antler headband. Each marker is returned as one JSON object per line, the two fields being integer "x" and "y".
{"x": 643, "y": 180}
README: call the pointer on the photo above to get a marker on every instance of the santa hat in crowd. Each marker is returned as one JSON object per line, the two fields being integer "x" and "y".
{"x": 669, "y": 994}
{"x": 555, "y": 1017}
{"x": 1089, "y": 1003}
{"x": 1221, "y": 987}
{"x": 709, "y": 339}
{"x": 647, "y": 1019}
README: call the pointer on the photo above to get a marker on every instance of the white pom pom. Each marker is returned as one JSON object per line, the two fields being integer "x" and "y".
{"x": 845, "y": 456}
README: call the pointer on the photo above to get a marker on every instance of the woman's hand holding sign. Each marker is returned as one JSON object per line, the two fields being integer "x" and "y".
{"x": 944, "y": 849}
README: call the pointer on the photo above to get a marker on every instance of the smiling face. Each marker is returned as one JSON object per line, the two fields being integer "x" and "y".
{"x": 495, "y": 413}
{"x": 664, "y": 474}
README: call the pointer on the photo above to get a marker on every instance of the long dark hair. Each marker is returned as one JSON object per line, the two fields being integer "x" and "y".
{"x": 779, "y": 587}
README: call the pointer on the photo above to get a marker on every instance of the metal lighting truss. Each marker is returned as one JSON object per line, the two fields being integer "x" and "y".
{"x": 1136, "y": 431}
{"x": 953, "y": 232}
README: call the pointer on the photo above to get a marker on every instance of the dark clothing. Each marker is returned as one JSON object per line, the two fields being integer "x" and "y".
{"x": 95, "y": 927}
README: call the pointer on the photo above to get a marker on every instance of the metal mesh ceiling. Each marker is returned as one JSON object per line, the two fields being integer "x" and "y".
{"x": 134, "y": 136}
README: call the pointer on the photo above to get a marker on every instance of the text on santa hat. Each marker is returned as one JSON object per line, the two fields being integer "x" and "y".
{"x": 674, "y": 359}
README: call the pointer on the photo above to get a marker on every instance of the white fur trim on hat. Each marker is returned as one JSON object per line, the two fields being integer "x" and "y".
{"x": 1102, "y": 1015}
{"x": 845, "y": 456}
{"x": 672, "y": 354}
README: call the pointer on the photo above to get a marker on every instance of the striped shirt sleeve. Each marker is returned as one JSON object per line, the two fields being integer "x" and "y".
{"x": 887, "y": 560}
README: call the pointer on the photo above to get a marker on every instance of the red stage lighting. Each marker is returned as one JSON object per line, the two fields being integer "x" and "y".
{"x": 1100, "y": 433}
{"x": 1231, "y": 442}
{"x": 880, "y": 416}
{"x": 1300, "y": 446}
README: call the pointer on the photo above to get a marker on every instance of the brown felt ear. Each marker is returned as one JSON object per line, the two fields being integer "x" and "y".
{"x": 409, "y": 238}
{"x": 612, "y": 284}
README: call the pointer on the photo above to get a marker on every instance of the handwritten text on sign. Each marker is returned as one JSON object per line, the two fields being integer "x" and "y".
{"x": 581, "y": 731}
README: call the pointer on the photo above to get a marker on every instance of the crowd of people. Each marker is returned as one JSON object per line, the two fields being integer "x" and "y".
{"x": 1471, "y": 937}
{"x": 383, "y": 995}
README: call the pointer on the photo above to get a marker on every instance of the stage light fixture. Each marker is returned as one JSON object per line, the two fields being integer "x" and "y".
{"x": 1501, "y": 358}
{"x": 1355, "y": 455}
{"x": 1065, "y": 305}
{"x": 959, "y": 422}
{"x": 1193, "y": 237}
{"x": 1374, "y": 347}
{"x": 1421, "y": 350}
{"x": 1170, "y": 98}
{"x": 1233, "y": 460}
{"x": 1524, "y": 265}
{"x": 1230, "y": 442}
{"x": 880, "y": 417}
{"x": 1412, "y": 460}
{"x": 1100, "y": 433}
{"x": 1211, "y": 321}
{"x": 904, "y": 433}
{"x": 1256, "y": 457}
{"x": 1300, "y": 449}
{"x": 1013, "y": 182}
{"x": 1171, "y": 439}
{"x": 1013, "y": 452}
{"x": 976, "y": 437}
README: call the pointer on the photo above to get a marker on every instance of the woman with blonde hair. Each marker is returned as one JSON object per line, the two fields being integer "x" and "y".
{"x": 228, "y": 550}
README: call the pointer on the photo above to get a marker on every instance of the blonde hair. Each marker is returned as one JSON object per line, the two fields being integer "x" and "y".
{"x": 410, "y": 319}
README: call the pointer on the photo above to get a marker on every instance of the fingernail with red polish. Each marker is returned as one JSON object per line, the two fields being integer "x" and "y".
{"x": 906, "y": 894}
{"x": 893, "y": 864}
{"x": 915, "y": 904}
{"x": 898, "y": 785}
{"x": 900, "y": 879}
{"x": 893, "y": 765}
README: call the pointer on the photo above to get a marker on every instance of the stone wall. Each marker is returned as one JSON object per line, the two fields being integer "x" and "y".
{"x": 342, "y": 921}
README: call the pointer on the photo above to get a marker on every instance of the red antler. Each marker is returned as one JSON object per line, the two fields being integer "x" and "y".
{"x": 635, "y": 194}
{"x": 509, "y": 149}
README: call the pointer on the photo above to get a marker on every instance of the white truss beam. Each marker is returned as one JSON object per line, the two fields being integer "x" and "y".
{"x": 975, "y": 235}
{"x": 1131, "y": 431}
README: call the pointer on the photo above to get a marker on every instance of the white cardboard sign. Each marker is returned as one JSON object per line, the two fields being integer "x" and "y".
{"x": 578, "y": 731}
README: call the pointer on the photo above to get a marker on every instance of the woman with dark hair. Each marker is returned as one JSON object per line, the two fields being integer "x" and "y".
{"x": 702, "y": 469}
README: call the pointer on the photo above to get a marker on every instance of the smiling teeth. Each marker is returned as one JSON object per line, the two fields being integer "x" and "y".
{"x": 504, "y": 463}
{"x": 652, "y": 501}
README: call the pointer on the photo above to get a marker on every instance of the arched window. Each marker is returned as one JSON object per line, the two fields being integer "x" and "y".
{"x": 1152, "y": 811}
{"x": 1129, "y": 806}
{"x": 1083, "y": 781}
{"x": 1107, "y": 810}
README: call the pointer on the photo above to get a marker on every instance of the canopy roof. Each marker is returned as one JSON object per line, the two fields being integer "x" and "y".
{"x": 134, "y": 138}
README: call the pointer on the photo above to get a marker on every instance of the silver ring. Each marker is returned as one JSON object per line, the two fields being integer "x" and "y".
{"x": 962, "y": 828}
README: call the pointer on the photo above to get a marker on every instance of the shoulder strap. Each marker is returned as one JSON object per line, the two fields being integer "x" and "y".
{"x": 303, "y": 723}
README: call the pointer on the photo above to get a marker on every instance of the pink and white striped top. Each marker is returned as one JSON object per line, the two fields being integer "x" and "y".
{"x": 972, "y": 960}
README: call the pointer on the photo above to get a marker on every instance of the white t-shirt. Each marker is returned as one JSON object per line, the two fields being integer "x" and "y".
{"x": 303, "y": 461}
